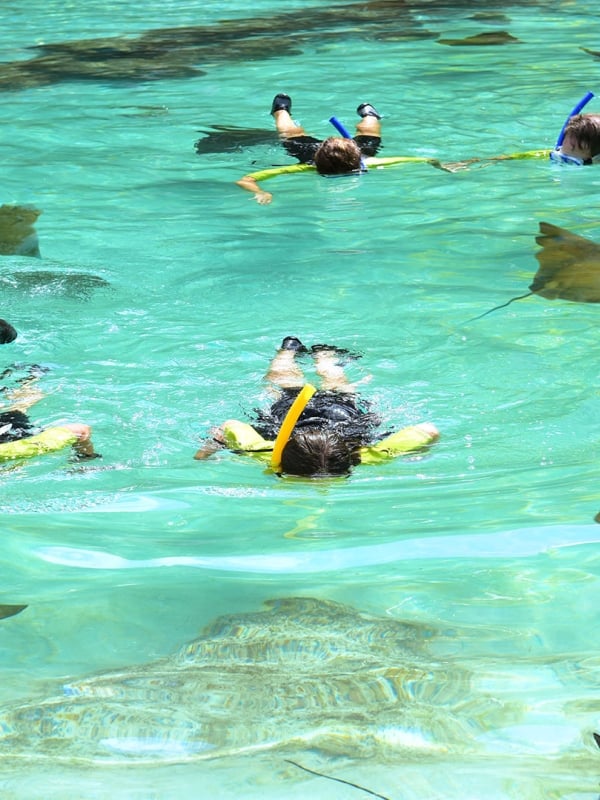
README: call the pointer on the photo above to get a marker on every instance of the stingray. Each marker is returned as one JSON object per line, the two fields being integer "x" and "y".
{"x": 569, "y": 268}
{"x": 18, "y": 237}
{"x": 181, "y": 52}
{"x": 10, "y": 610}
{"x": 17, "y": 234}
{"x": 482, "y": 40}
{"x": 301, "y": 676}
{"x": 594, "y": 53}
{"x": 145, "y": 111}
{"x": 490, "y": 16}
{"x": 227, "y": 138}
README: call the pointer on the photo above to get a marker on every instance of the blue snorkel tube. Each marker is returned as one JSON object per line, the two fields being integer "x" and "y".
{"x": 341, "y": 128}
{"x": 554, "y": 154}
{"x": 581, "y": 104}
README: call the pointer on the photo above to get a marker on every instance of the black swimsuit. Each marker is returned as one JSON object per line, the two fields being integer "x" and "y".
{"x": 14, "y": 425}
{"x": 304, "y": 147}
{"x": 333, "y": 410}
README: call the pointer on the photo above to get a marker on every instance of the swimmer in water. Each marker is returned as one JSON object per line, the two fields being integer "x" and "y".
{"x": 19, "y": 438}
{"x": 336, "y": 155}
{"x": 335, "y": 431}
{"x": 581, "y": 141}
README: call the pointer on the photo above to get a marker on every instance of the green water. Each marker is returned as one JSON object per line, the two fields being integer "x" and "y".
{"x": 489, "y": 539}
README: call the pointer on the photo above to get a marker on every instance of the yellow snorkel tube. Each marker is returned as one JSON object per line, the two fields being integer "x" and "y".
{"x": 290, "y": 420}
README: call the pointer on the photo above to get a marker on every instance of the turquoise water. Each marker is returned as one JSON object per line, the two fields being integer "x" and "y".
{"x": 489, "y": 540}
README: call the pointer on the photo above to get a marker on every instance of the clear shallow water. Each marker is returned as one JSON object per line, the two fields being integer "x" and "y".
{"x": 491, "y": 536}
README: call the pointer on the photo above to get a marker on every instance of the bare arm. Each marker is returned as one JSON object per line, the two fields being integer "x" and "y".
{"x": 210, "y": 446}
{"x": 250, "y": 185}
{"x": 83, "y": 447}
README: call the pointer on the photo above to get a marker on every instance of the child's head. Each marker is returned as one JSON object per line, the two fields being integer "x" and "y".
{"x": 14, "y": 425}
{"x": 7, "y": 332}
{"x": 336, "y": 156}
{"x": 582, "y": 137}
{"x": 313, "y": 452}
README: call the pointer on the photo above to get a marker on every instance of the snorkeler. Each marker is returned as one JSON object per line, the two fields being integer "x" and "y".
{"x": 581, "y": 141}
{"x": 19, "y": 438}
{"x": 314, "y": 433}
{"x": 578, "y": 143}
{"x": 337, "y": 155}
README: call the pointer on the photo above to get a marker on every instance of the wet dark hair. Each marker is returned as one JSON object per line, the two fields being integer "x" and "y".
{"x": 7, "y": 332}
{"x": 336, "y": 156}
{"x": 20, "y": 426}
{"x": 586, "y": 130}
{"x": 315, "y": 452}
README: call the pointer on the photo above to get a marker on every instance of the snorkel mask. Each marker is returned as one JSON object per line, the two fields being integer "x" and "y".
{"x": 562, "y": 158}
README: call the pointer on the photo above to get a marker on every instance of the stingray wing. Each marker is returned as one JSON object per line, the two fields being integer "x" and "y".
{"x": 17, "y": 234}
{"x": 482, "y": 39}
{"x": 569, "y": 266}
{"x": 10, "y": 610}
{"x": 227, "y": 138}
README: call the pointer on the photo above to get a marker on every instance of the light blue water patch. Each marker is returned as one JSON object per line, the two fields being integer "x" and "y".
{"x": 515, "y": 544}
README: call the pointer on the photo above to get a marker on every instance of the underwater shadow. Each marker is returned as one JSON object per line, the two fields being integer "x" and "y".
{"x": 184, "y": 52}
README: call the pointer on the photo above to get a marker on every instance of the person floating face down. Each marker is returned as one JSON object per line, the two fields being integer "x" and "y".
{"x": 581, "y": 141}
{"x": 336, "y": 430}
{"x": 19, "y": 438}
{"x": 335, "y": 155}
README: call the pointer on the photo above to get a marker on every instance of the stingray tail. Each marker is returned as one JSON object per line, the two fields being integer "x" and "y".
{"x": 512, "y": 300}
